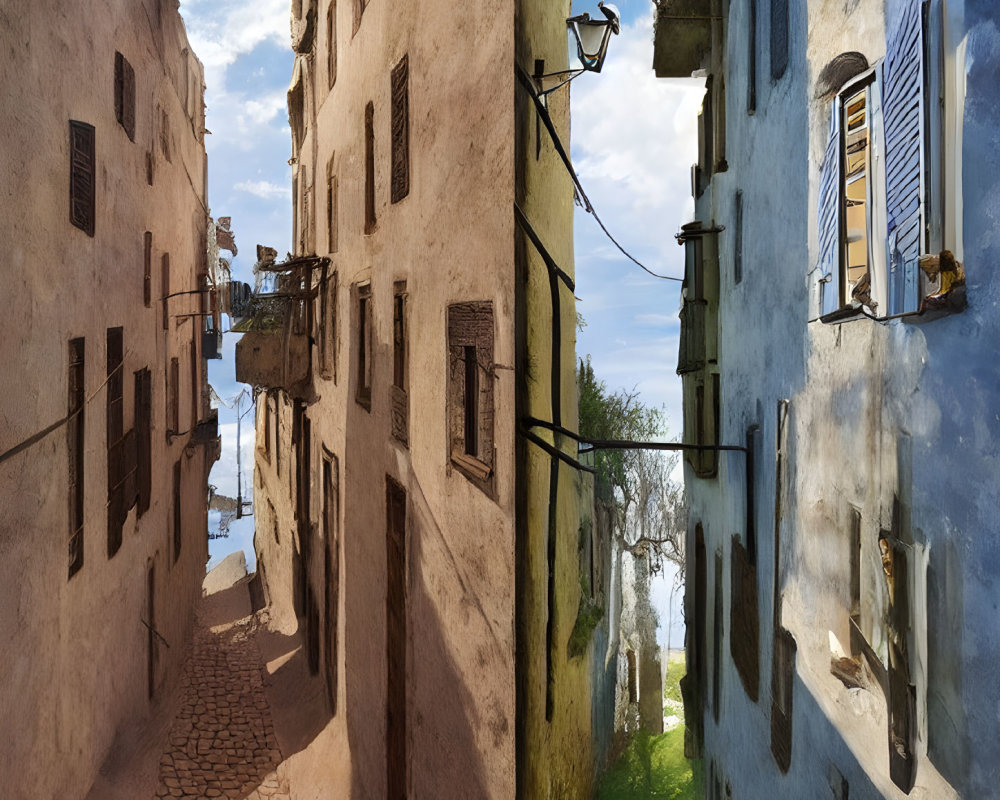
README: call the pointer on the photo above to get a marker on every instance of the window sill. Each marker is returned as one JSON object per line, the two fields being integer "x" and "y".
{"x": 365, "y": 401}
{"x": 932, "y": 309}
{"x": 479, "y": 473}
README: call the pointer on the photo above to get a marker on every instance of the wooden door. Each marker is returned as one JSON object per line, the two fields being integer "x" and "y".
{"x": 331, "y": 487}
{"x": 395, "y": 636}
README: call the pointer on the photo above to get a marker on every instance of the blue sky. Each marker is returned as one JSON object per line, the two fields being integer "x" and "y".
{"x": 634, "y": 139}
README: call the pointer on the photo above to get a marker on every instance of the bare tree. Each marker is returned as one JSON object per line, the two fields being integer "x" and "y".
{"x": 651, "y": 517}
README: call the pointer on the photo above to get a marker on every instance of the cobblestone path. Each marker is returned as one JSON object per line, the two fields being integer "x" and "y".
{"x": 222, "y": 742}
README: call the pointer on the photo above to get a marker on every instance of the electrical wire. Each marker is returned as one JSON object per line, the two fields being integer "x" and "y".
{"x": 525, "y": 80}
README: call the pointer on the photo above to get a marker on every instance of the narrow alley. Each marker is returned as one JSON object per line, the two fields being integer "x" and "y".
{"x": 222, "y": 741}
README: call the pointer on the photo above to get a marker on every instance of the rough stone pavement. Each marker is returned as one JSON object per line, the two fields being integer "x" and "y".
{"x": 222, "y": 741}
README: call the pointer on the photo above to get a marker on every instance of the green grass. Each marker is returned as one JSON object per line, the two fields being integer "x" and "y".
{"x": 672, "y": 685}
{"x": 654, "y": 767}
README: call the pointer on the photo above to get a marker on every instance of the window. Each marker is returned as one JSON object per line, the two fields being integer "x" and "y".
{"x": 173, "y": 405}
{"x": 399, "y": 401}
{"x": 81, "y": 176}
{"x": 147, "y": 269}
{"x": 328, "y": 325}
{"x": 744, "y": 621}
{"x": 470, "y": 391}
{"x": 332, "y": 221}
{"x": 267, "y": 428}
{"x": 195, "y": 395}
{"x": 395, "y": 640}
{"x": 363, "y": 393}
{"x": 296, "y": 108}
{"x": 779, "y": 38}
{"x": 125, "y": 95}
{"x": 400, "y": 130}
{"x": 331, "y": 557}
{"x": 369, "y": 168}
{"x": 633, "y": 691}
{"x": 752, "y": 58}
{"x": 331, "y": 43}
{"x": 782, "y": 680}
{"x": 703, "y": 425}
{"x": 177, "y": 509}
{"x": 165, "y": 134}
{"x": 359, "y": 10}
{"x": 738, "y": 240}
{"x": 115, "y": 431}
{"x": 706, "y": 138}
{"x": 717, "y": 638}
{"x": 143, "y": 436}
{"x": 165, "y": 287}
{"x": 872, "y": 220}
{"x": 76, "y": 441}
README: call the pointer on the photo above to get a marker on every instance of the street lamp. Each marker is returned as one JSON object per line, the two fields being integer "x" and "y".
{"x": 592, "y": 36}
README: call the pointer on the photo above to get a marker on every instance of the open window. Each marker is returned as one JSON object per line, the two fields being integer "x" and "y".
{"x": 470, "y": 391}
{"x": 363, "y": 391}
{"x": 399, "y": 400}
{"x": 880, "y": 218}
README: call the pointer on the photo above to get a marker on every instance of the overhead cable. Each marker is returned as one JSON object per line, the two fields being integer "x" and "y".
{"x": 525, "y": 80}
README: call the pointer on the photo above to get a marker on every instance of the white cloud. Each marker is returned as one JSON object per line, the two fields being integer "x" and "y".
{"x": 262, "y": 111}
{"x": 264, "y": 189}
{"x": 634, "y": 139}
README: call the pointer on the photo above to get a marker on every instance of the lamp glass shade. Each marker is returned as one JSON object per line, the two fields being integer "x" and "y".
{"x": 592, "y": 35}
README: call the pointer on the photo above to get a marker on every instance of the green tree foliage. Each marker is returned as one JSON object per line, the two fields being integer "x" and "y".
{"x": 649, "y": 504}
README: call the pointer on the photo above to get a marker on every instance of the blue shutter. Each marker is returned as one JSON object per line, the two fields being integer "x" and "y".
{"x": 902, "y": 104}
{"x": 828, "y": 217}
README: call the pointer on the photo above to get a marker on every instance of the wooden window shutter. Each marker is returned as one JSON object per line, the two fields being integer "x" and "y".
{"x": 81, "y": 176}
{"x": 738, "y": 240}
{"x": 828, "y": 216}
{"x": 77, "y": 443}
{"x": 400, "y": 130}
{"x": 369, "y": 168}
{"x": 165, "y": 288}
{"x": 147, "y": 269}
{"x": 744, "y": 624}
{"x": 125, "y": 95}
{"x": 779, "y": 38}
{"x": 902, "y": 104}
{"x": 331, "y": 43}
{"x": 144, "y": 445}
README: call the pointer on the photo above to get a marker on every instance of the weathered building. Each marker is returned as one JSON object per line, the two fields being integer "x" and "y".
{"x": 106, "y": 436}
{"x": 839, "y": 302}
{"x": 428, "y": 551}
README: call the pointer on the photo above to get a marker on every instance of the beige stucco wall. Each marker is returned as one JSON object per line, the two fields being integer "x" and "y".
{"x": 74, "y": 674}
{"x": 450, "y": 239}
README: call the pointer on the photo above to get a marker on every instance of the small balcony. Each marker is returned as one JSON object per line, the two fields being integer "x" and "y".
{"x": 682, "y": 42}
{"x": 275, "y": 351}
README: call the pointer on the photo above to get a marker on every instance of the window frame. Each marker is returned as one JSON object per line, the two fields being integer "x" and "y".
{"x": 471, "y": 326}
{"x": 76, "y": 441}
{"x": 363, "y": 350}
{"x": 399, "y": 391}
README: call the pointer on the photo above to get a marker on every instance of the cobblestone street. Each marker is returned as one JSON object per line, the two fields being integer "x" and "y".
{"x": 222, "y": 742}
